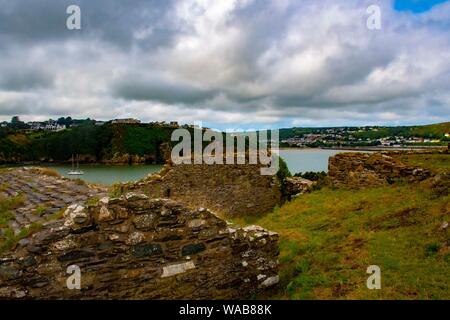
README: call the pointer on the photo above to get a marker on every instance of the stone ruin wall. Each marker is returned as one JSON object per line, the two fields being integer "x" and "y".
{"x": 359, "y": 170}
{"x": 229, "y": 190}
{"x": 134, "y": 247}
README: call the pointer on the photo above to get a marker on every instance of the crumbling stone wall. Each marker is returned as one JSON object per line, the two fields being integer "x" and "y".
{"x": 134, "y": 247}
{"x": 359, "y": 170}
{"x": 296, "y": 186}
{"x": 230, "y": 190}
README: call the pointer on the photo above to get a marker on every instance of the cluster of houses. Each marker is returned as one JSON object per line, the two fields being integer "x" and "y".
{"x": 52, "y": 125}
{"x": 173, "y": 124}
{"x": 326, "y": 136}
{"x": 312, "y": 138}
{"x": 49, "y": 125}
{"x": 126, "y": 121}
{"x": 340, "y": 138}
{"x": 400, "y": 141}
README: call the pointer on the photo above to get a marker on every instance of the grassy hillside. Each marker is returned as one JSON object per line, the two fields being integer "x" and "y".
{"x": 438, "y": 163}
{"x": 99, "y": 142}
{"x": 328, "y": 238}
{"x": 103, "y": 142}
{"x": 438, "y": 129}
{"x": 427, "y": 131}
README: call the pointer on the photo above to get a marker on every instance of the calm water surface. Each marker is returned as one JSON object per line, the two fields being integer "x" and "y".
{"x": 108, "y": 174}
{"x": 298, "y": 160}
{"x": 303, "y": 160}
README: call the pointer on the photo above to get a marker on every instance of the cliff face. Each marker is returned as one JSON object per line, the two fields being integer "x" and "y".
{"x": 134, "y": 247}
{"x": 359, "y": 170}
{"x": 231, "y": 190}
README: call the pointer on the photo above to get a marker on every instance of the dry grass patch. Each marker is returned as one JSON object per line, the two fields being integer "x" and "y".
{"x": 45, "y": 171}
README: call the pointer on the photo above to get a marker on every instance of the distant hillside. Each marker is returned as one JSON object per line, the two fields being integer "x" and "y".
{"x": 373, "y": 132}
{"x": 106, "y": 143}
{"x": 139, "y": 143}
{"x": 438, "y": 129}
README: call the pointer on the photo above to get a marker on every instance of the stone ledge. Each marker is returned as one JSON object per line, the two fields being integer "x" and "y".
{"x": 174, "y": 252}
{"x": 361, "y": 170}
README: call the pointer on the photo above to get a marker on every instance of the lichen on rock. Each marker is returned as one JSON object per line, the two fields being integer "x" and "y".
{"x": 160, "y": 246}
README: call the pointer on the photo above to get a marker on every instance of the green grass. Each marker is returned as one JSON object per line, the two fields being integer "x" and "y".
{"x": 436, "y": 162}
{"x": 55, "y": 216}
{"x": 328, "y": 238}
{"x": 46, "y": 171}
{"x": 3, "y": 187}
{"x": 6, "y": 207}
{"x": 79, "y": 182}
{"x": 5, "y": 217}
{"x": 8, "y": 239}
{"x": 432, "y": 129}
{"x": 116, "y": 190}
{"x": 93, "y": 201}
{"x": 40, "y": 210}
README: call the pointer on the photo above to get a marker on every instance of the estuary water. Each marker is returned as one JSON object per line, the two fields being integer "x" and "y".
{"x": 109, "y": 174}
{"x": 303, "y": 160}
{"x": 298, "y": 160}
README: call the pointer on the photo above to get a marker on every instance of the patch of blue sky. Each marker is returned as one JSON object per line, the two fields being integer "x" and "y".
{"x": 416, "y": 6}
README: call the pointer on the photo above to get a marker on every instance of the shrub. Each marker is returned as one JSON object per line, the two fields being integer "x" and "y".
{"x": 431, "y": 249}
{"x": 283, "y": 170}
{"x": 321, "y": 178}
{"x": 283, "y": 173}
{"x": 313, "y": 176}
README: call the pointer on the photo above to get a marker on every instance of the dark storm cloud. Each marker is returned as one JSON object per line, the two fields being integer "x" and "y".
{"x": 31, "y": 21}
{"x": 115, "y": 21}
{"x": 225, "y": 61}
{"x": 22, "y": 79}
{"x": 159, "y": 90}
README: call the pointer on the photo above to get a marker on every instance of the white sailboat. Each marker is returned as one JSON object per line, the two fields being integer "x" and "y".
{"x": 77, "y": 171}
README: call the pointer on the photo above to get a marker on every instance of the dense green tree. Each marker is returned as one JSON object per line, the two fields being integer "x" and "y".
{"x": 17, "y": 124}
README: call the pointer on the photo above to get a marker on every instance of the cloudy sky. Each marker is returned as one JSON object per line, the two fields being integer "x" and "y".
{"x": 227, "y": 63}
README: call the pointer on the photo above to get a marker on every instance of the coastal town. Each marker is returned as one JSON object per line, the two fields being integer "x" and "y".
{"x": 363, "y": 136}
{"x": 327, "y": 137}
{"x": 64, "y": 123}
